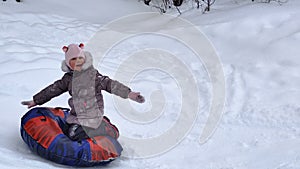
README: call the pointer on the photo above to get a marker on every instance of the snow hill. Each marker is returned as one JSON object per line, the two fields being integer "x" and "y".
{"x": 258, "y": 47}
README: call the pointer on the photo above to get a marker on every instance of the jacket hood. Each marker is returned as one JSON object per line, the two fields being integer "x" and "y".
{"x": 88, "y": 63}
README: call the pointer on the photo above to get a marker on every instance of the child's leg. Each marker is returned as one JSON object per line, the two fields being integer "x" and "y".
{"x": 110, "y": 129}
{"x": 105, "y": 129}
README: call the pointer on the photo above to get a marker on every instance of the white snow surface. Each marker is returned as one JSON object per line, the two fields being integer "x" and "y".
{"x": 257, "y": 46}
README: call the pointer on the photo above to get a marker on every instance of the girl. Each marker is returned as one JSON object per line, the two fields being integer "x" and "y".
{"x": 84, "y": 83}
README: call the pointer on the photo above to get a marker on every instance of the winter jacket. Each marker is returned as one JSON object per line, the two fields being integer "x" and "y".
{"x": 85, "y": 88}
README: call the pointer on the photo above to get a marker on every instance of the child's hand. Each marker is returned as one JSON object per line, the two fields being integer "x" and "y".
{"x": 29, "y": 104}
{"x": 135, "y": 96}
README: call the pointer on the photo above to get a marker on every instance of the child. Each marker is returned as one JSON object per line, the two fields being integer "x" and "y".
{"x": 84, "y": 83}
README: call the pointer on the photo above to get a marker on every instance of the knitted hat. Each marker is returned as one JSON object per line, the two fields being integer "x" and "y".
{"x": 73, "y": 51}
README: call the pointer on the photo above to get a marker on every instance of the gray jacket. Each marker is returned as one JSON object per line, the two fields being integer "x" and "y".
{"x": 85, "y": 88}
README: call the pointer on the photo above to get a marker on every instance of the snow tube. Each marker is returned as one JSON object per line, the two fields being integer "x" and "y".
{"x": 42, "y": 131}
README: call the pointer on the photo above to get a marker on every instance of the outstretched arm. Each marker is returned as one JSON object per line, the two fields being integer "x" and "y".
{"x": 53, "y": 90}
{"x": 119, "y": 89}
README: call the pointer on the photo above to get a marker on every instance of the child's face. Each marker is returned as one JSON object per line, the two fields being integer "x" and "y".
{"x": 76, "y": 63}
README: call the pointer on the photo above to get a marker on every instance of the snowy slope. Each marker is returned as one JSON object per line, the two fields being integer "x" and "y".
{"x": 258, "y": 47}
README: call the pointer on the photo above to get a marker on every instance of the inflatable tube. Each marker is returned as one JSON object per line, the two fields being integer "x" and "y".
{"x": 42, "y": 131}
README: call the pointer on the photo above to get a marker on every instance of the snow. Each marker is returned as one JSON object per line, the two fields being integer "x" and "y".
{"x": 257, "y": 44}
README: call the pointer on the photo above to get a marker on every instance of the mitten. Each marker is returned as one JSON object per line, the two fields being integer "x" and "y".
{"x": 29, "y": 104}
{"x": 135, "y": 96}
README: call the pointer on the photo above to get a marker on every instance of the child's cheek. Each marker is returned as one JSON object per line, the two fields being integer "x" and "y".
{"x": 72, "y": 64}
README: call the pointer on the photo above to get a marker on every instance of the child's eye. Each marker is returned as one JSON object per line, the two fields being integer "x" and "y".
{"x": 73, "y": 58}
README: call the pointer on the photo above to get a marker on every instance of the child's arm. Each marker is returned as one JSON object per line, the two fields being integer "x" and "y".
{"x": 119, "y": 89}
{"x": 51, "y": 91}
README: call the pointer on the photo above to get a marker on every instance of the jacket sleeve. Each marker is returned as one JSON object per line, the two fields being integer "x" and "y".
{"x": 113, "y": 86}
{"x": 53, "y": 90}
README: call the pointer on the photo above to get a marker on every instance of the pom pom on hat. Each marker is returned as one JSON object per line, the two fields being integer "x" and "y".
{"x": 81, "y": 45}
{"x": 73, "y": 51}
{"x": 65, "y": 49}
